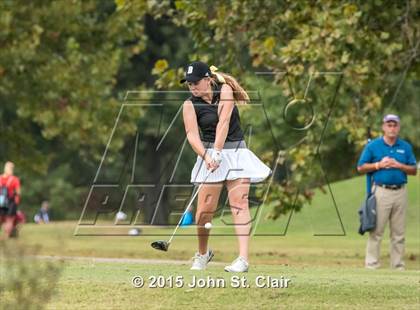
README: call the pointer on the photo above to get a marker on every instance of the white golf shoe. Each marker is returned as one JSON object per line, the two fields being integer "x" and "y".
{"x": 238, "y": 265}
{"x": 200, "y": 261}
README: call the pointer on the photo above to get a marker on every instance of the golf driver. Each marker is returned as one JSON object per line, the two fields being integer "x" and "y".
{"x": 164, "y": 245}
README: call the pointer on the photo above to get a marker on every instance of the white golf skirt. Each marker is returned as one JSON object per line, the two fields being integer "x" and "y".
{"x": 237, "y": 162}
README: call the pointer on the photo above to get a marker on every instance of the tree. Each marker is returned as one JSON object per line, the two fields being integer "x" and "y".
{"x": 368, "y": 44}
{"x": 58, "y": 67}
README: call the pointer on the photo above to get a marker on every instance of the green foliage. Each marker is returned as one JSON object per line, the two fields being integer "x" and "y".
{"x": 59, "y": 63}
{"x": 367, "y": 44}
{"x": 57, "y": 187}
{"x": 66, "y": 65}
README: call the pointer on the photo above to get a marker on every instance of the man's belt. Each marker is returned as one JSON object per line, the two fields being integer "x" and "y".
{"x": 392, "y": 187}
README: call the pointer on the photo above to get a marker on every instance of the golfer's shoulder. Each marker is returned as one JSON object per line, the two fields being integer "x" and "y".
{"x": 190, "y": 102}
{"x": 10, "y": 178}
{"x": 188, "y": 106}
{"x": 225, "y": 88}
{"x": 375, "y": 143}
{"x": 373, "y": 146}
{"x": 405, "y": 144}
{"x": 187, "y": 102}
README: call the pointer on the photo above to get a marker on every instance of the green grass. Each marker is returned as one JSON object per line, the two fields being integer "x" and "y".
{"x": 298, "y": 246}
{"x": 326, "y": 271}
{"x": 108, "y": 286}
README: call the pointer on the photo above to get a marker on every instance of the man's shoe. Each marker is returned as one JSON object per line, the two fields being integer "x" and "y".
{"x": 399, "y": 267}
{"x": 200, "y": 261}
{"x": 372, "y": 266}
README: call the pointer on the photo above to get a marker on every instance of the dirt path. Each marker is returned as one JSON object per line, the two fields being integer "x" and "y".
{"x": 121, "y": 260}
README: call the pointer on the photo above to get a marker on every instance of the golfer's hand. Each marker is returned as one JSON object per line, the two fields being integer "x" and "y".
{"x": 385, "y": 163}
{"x": 210, "y": 164}
{"x": 393, "y": 163}
{"x": 216, "y": 155}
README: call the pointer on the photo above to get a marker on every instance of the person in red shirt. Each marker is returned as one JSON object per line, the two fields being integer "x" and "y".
{"x": 9, "y": 199}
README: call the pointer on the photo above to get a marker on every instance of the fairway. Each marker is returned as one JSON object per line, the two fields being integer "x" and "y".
{"x": 108, "y": 286}
{"x": 325, "y": 272}
{"x": 97, "y": 285}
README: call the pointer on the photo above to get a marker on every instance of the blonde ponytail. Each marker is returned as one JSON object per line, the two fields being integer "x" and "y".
{"x": 239, "y": 93}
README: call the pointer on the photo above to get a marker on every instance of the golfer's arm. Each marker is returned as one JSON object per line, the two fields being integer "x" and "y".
{"x": 227, "y": 104}
{"x": 408, "y": 169}
{"x": 368, "y": 167}
{"x": 17, "y": 193}
{"x": 191, "y": 128}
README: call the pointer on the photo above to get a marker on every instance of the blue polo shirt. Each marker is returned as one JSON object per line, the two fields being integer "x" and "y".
{"x": 378, "y": 149}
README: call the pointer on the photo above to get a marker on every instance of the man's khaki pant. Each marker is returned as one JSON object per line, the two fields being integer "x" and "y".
{"x": 391, "y": 206}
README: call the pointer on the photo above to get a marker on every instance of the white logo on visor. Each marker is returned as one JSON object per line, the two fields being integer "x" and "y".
{"x": 190, "y": 69}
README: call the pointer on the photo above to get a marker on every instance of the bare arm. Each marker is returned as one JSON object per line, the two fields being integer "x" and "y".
{"x": 226, "y": 104}
{"x": 191, "y": 128}
{"x": 366, "y": 168}
{"x": 408, "y": 169}
{"x": 386, "y": 163}
{"x": 17, "y": 192}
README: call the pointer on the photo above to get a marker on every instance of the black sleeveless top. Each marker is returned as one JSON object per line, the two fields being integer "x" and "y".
{"x": 207, "y": 118}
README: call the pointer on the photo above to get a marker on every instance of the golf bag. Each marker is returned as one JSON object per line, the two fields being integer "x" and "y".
{"x": 4, "y": 194}
{"x": 367, "y": 213}
{"x": 4, "y": 197}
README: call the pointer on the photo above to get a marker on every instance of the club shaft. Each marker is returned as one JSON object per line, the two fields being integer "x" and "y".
{"x": 188, "y": 207}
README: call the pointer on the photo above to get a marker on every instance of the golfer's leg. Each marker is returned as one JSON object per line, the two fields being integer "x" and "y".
{"x": 397, "y": 227}
{"x": 2, "y": 223}
{"x": 208, "y": 198}
{"x": 383, "y": 210}
{"x": 238, "y": 191}
{"x": 8, "y": 225}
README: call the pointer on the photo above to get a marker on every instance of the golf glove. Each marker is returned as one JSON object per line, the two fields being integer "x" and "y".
{"x": 216, "y": 156}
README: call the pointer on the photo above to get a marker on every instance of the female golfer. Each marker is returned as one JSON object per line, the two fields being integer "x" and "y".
{"x": 222, "y": 156}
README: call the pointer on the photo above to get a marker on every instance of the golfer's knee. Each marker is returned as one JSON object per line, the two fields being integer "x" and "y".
{"x": 397, "y": 239}
{"x": 239, "y": 205}
{"x": 376, "y": 236}
{"x": 239, "y": 202}
{"x": 8, "y": 227}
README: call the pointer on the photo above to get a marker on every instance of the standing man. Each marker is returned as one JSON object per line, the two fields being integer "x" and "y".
{"x": 9, "y": 199}
{"x": 389, "y": 159}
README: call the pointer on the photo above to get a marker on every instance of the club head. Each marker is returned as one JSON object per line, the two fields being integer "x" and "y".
{"x": 160, "y": 245}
